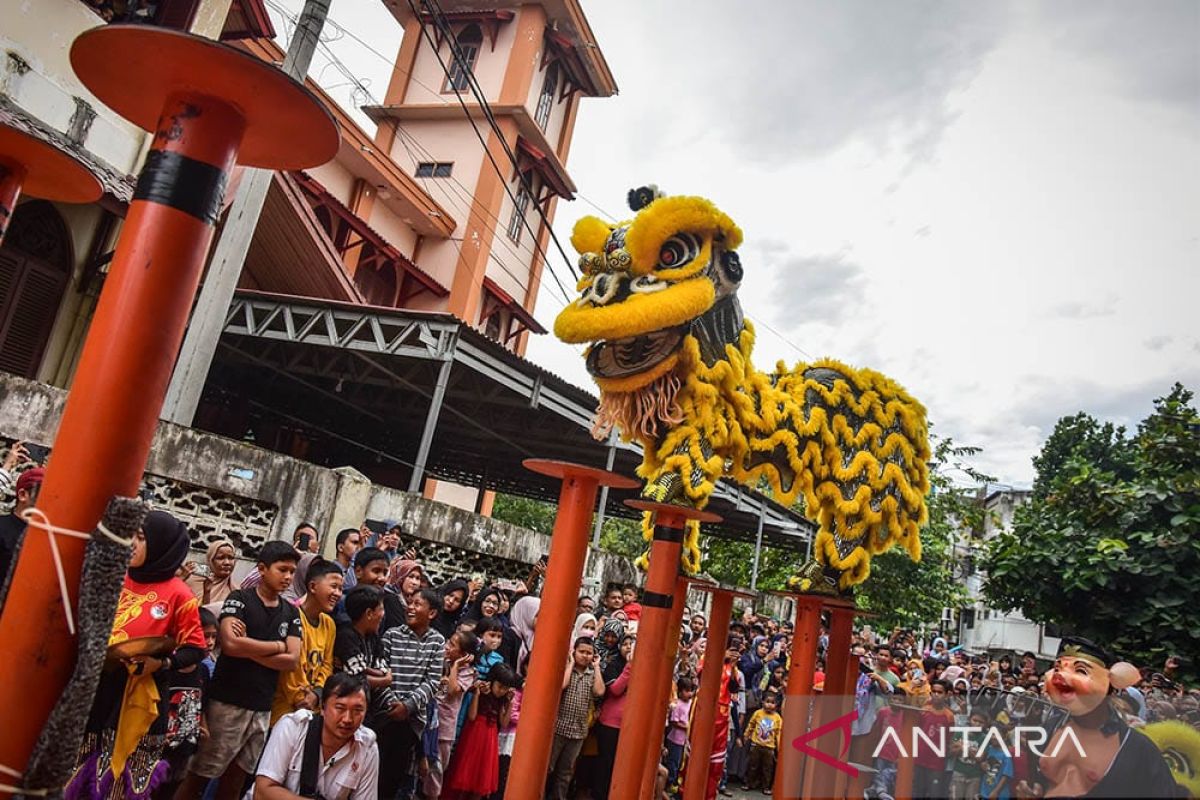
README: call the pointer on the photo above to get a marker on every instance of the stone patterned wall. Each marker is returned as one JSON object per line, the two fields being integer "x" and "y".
{"x": 209, "y": 514}
{"x": 212, "y": 515}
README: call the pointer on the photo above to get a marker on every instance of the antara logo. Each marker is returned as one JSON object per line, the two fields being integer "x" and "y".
{"x": 1022, "y": 735}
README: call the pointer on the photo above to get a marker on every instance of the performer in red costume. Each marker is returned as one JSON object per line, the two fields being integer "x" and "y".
{"x": 725, "y": 697}
{"x": 1095, "y": 754}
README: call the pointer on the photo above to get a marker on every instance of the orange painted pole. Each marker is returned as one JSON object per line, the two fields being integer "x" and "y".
{"x": 819, "y": 780}
{"x": 112, "y": 410}
{"x": 905, "y": 768}
{"x": 670, "y": 653}
{"x": 790, "y": 767}
{"x": 704, "y": 719}
{"x": 849, "y": 683}
{"x": 639, "y": 737}
{"x": 11, "y": 177}
{"x": 560, "y": 594}
{"x": 113, "y": 406}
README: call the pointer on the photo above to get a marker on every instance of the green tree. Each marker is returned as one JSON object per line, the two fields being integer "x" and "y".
{"x": 535, "y": 515}
{"x": 618, "y": 534}
{"x": 1081, "y": 436}
{"x": 1112, "y": 549}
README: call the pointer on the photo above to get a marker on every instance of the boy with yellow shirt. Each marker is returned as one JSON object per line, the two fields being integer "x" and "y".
{"x": 301, "y": 687}
{"x": 763, "y": 730}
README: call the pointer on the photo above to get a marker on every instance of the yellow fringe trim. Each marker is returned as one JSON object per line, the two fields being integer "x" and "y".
{"x": 882, "y": 464}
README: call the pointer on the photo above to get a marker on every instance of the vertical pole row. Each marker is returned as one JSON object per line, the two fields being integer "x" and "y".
{"x": 798, "y": 704}
{"x": 704, "y": 719}
{"x": 543, "y": 685}
{"x": 638, "y": 737}
{"x": 113, "y": 407}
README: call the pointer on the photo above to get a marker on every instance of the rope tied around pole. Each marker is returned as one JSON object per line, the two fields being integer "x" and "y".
{"x": 35, "y": 517}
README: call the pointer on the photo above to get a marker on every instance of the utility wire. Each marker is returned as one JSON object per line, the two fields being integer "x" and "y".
{"x": 465, "y": 197}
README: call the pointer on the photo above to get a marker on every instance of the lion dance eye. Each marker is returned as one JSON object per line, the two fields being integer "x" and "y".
{"x": 678, "y": 250}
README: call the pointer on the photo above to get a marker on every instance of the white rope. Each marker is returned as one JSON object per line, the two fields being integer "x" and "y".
{"x": 35, "y": 517}
{"x": 17, "y": 790}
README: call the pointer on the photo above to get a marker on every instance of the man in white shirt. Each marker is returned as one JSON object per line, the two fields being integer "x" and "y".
{"x": 331, "y": 756}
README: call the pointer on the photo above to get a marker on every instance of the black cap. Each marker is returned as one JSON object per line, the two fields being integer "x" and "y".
{"x": 1078, "y": 647}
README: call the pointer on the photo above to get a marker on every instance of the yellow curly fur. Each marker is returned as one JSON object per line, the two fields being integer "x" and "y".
{"x": 739, "y": 411}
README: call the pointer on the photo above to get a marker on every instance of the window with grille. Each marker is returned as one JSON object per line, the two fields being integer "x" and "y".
{"x": 546, "y": 98}
{"x": 517, "y": 223}
{"x": 469, "y": 39}
{"x": 434, "y": 169}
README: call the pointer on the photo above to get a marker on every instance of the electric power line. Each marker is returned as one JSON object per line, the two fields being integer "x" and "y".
{"x": 360, "y": 85}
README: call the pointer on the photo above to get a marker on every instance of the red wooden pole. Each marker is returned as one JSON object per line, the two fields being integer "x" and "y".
{"x": 790, "y": 767}
{"x": 112, "y": 409}
{"x": 560, "y": 593}
{"x": 670, "y": 653}
{"x": 818, "y": 778}
{"x": 704, "y": 719}
{"x": 905, "y": 768}
{"x": 638, "y": 731}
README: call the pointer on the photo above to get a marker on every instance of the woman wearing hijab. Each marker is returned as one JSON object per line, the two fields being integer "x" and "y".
{"x": 523, "y": 618}
{"x": 612, "y": 711}
{"x": 404, "y": 579}
{"x": 213, "y": 588}
{"x": 454, "y": 598}
{"x": 157, "y": 627}
{"x": 487, "y": 604}
{"x": 585, "y": 625}
{"x": 608, "y": 640}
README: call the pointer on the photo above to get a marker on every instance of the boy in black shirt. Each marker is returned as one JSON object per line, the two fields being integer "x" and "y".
{"x": 358, "y": 649}
{"x": 260, "y": 637}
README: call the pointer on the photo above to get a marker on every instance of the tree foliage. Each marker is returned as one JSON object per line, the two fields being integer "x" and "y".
{"x": 1110, "y": 547}
{"x": 618, "y": 534}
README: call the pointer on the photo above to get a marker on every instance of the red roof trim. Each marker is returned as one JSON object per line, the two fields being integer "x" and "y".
{"x": 513, "y": 306}
{"x": 257, "y": 21}
{"x": 538, "y": 161}
{"x": 314, "y": 187}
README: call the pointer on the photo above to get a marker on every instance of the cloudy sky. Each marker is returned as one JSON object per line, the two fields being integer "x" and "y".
{"x": 997, "y": 204}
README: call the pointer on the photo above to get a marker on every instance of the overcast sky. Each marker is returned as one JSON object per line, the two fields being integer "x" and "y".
{"x": 997, "y": 204}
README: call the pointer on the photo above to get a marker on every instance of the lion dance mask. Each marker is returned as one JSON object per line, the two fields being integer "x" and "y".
{"x": 670, "y": 351}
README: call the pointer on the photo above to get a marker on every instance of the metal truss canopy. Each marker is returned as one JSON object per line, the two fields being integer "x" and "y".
{"x": 401, "y": 394}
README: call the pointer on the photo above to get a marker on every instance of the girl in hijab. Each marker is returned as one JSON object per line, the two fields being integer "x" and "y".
{"x": 524, "y": 619}
{"x": 403, "y": 581}
{"x": 612, "y": 711}
{"x": 157, "y": 625}
{"x": 454, "y": 598}
{"x": 212, "y": 589}
{"x": 607, "y": 643}
{"x": 487, "y": 604}
{"x": 585, "y": 625}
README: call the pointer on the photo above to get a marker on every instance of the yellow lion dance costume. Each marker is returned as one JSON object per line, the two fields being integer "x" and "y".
{"x": 670, "y": 351}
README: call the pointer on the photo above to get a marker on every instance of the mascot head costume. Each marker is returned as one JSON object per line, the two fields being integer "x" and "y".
{"x": 670, "y": 349}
